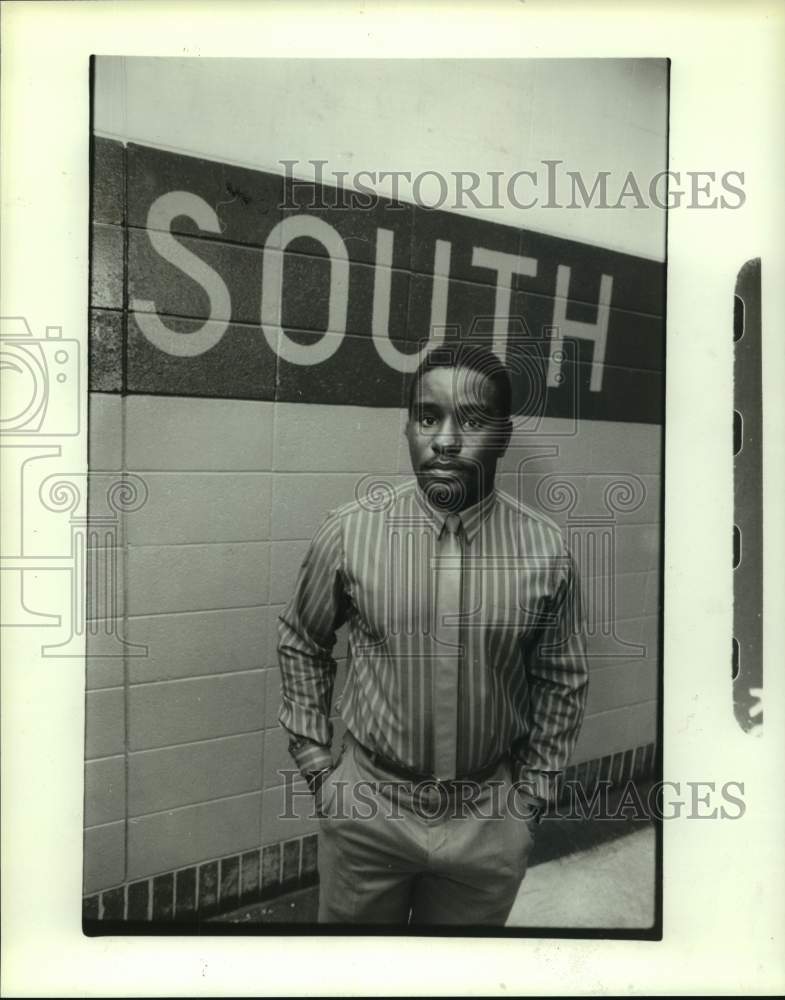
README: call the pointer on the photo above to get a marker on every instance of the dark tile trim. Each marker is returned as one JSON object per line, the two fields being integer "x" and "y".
{"x": 185, "y": 894}
{"x": 163, "y": 896}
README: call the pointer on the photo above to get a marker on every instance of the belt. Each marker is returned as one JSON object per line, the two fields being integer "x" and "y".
{"x": 410, "y": 774}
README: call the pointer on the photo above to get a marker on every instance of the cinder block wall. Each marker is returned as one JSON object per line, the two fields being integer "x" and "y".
{"x": 241, "y": 454}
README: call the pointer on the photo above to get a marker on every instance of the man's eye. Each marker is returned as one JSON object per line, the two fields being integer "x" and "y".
{"x": 427, "y": 420}
{"x": 472, "y": 423}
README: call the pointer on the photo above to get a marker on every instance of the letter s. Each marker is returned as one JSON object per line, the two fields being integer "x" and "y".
{"x": 735, "y": 800}
{"x": 159, "y": 219}
{"x": 732, "y": 188}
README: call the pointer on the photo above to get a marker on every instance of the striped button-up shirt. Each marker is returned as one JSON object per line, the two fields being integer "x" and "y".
{"x": 523, "y": 676}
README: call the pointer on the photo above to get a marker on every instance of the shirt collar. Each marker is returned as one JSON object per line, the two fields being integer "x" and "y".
{"x": 472, "y": 518}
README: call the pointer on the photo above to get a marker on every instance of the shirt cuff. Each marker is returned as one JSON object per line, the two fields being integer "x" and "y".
{"x": 309, "y": 755}
{"x": 533, "y": 786}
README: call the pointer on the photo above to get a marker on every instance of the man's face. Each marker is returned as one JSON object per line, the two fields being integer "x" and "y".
{"x": 456, "y": 436}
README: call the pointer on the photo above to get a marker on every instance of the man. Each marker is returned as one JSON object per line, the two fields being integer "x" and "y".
{"x": 467, "y": 672}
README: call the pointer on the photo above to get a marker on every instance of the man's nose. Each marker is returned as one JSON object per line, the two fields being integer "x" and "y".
{"x": 447, "y": 440}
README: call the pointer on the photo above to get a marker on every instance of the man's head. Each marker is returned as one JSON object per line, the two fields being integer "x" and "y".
{"x": 459, "y": 423}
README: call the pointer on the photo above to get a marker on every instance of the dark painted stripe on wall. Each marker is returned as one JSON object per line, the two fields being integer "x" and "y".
{"x": 241, "y": 207}
{"x": 108, "y": 193}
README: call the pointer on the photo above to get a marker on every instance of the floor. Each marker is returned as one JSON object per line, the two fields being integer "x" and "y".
{"x": 607, "y": 886}
{"x": 598, "y": 875}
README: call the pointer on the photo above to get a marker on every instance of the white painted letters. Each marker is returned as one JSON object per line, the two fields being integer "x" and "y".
{"x": 280, "y": 237}
{"x": 159, "y": 219}
{"x": 505, "y": 265}
{"x": 596, "y": 332}
{"x": 380, "y": 323}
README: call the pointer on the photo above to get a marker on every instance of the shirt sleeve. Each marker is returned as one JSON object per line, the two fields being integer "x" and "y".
{"x": 306, "y": 638}
{"x": 558, "y": 679}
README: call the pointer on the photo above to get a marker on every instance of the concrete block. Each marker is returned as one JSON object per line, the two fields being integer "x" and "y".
{"x": 464, "y": 232}
{"x": 104, "y": 856}
{"x": 276, "y": 757}
{"x": 654, "y": 592}
{"x": 628, "y": 592}
{"x": 197, "y": 577}
{"x": 301, "y": 501}
{"x": 180, "y": 837}
{"x": 246, "y": 202}
{"x": 627, "y": 683}
{"x": 187, "y": 507}
{"x": 638, "y": 283}
{"x": 105, "y": 723}
{"x": 105, "y": 368}
{"x": 594, "y": 494}
{"x": 105, "y": 431}
{"x": 616, "y": 729}
{"x": 202, "y": 642}
{"x": 102, "y": 671}
{"x": 104, "y": 796}
{"x": 108, "y": 191}
{"x": 197, "y": 772}
{"x": 106, "y": 266}
{"x": 171, "y": 712}
{"x": 317, "y": 438}
{"x": 599, "y": 447}
{"x": 169, "y": 434}
{"x": 237, "y": 364}
{"x": 604, "y": 642}
{"x": 287, "y": 815}
{"x": 307, "y": 284}
{"x": 153, "y": 279}
{"x": 650, "y": 635}
{"x": 353, "y": 373}
{"x": 626, "y": 447}
{"x": 355, "y": 221}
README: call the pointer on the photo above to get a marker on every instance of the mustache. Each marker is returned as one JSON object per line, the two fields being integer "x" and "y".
{"x": 450, "y": 465}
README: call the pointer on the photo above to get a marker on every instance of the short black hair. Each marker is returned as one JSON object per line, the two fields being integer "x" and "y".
{"x": 476, "y": 357}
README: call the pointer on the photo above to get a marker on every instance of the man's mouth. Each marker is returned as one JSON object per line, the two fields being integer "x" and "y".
{"x": 445, "y": 467}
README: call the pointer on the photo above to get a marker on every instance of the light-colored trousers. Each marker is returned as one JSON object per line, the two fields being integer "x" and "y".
{"x": 394, "y": 853}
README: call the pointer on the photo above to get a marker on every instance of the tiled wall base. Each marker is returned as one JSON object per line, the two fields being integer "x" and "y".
{"x": 189, "y": 894}
{"x": 203, "y": 890}
{"x": 615, "y": 768}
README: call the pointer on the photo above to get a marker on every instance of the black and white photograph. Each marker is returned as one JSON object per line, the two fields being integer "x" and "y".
{"x": 376, "y": 478}
{"x": 392, "y": 466}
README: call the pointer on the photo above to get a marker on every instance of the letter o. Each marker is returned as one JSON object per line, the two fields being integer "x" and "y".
{"x": 280, "y": 237}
